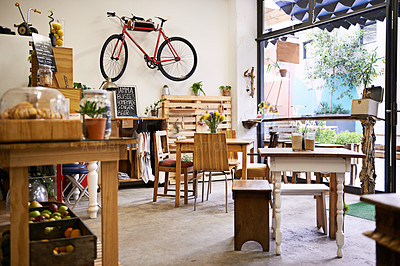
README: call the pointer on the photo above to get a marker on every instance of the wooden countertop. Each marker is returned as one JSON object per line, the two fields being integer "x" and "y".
{"x": 389, "y": 201}
{"x": 253, "y": 185}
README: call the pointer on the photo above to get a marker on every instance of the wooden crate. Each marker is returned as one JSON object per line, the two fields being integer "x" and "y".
{"x": 42, "y": 251}
{"x": 186, "y": 110}
{"x": 64, "y": 62}
{"x": 39, "y": 130}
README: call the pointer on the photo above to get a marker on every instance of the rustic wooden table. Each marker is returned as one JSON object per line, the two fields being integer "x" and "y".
{"x": 18, "y": 156}
{"x": 386, "y": 234}
{"x": 333, "y": 160}
{"x": 234, "y": 145}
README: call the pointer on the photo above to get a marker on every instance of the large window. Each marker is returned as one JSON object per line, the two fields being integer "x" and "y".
{"x": 328, "y": 70}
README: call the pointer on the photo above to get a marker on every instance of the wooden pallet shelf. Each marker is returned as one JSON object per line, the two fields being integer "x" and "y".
{"x": 184, "y": 111}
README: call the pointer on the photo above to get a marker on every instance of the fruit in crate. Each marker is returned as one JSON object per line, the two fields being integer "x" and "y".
{"x": 35, "y": 204}
{"x": 52, "y": 213}
{"x": 53, "y": 207}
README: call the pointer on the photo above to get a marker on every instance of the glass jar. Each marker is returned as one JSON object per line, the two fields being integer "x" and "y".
{"x": 100, "y": 97}
{"x": 309, "y": 141}
{"x": 45, "y": 76}
{"x": 296, "y": 142}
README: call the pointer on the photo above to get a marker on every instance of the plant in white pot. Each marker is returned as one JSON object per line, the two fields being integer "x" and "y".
{"x": 96, "y": 124}
{"x": 197, "y": 87}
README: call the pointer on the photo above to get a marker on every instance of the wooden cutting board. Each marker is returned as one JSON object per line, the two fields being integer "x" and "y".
{"x": 39, "y": 130}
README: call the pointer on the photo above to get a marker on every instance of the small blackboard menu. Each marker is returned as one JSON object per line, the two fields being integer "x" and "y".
{"x": 44, "y": 51}
{"x": 125, "y": 101}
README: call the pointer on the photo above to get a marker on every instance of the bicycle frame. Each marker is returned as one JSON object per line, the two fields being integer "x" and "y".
{"x": 153, "y": 59}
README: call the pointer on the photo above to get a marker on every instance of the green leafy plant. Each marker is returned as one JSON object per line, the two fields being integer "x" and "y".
{"x": 197, "y": 87}
{"x": 91, "y": 109}
{"x": 227, "y": 87}
{"x": 336, "y": 109}
{"x": 329, "y": 136}
{"x": 154, "y": 106}
{"x": 338, "y": 59}
{"x": 187, "y": 157}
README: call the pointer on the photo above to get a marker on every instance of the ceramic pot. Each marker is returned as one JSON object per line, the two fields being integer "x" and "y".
{"x": 96, "y": 127}
{"x": 226, "y": 92}
{"x": 154, "y": 113}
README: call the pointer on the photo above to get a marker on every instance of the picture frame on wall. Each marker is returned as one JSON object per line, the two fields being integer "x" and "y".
{"x": 125, "y": 101}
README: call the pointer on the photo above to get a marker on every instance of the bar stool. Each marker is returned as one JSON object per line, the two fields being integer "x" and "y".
{"x": 69, "y": 171}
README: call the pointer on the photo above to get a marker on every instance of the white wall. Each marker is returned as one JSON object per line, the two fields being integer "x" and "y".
{"x": 222, "y": 32}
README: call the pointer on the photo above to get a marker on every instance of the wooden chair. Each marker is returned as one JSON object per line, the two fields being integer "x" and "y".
{"x": 211, "y": 155}
{"x": 163, "y": 163}
{"x": 259, "y": 170}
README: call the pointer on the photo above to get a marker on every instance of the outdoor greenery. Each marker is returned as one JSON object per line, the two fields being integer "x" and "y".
{"x": 336, "y": 109}
{"x": 326, "y": 135}
{"x": 338, "y": 58}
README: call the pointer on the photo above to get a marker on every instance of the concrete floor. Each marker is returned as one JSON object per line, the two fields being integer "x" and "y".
{"x": 160, "y": 234}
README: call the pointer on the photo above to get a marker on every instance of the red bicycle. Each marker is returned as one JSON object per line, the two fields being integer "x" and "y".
{"x": 176, "y": 57}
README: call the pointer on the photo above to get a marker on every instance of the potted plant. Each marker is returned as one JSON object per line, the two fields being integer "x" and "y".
{"x": 226, "y": 90}
{"x": 197, "y": 87}
{"x": 96, "y": 124}
{"x": 154, "y": 107}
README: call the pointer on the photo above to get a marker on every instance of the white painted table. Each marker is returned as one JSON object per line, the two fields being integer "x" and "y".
{"x": 333, "y": 160}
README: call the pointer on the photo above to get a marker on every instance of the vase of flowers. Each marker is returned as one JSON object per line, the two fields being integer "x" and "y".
{"x": 261, "y": 108}
{"x": 212, "y": 120}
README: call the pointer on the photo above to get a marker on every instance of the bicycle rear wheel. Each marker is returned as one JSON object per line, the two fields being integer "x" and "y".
{"x": 113, "y": 65}
{"x": 177, "y": 70}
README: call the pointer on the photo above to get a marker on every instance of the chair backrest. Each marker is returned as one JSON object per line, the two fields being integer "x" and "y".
{"x": 161, "y": 149}
{"x": 231, "y": 134}
{"x": 210, "y": 152}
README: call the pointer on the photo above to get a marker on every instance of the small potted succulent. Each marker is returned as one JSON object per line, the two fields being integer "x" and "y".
{"x": 94, "y": 126}
{"x": 153, "y": 108}
{"x": 226, "y": 90}
{"x": 197, "y": 87}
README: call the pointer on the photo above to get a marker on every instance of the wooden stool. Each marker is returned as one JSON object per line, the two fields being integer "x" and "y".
{"x": 251, "y": 212}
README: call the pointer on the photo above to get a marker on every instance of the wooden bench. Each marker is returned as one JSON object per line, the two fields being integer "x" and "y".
{"x": 251, "y": 218}
{"x": 318, "y": 191}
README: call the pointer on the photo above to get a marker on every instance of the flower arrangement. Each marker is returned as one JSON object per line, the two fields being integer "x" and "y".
{"x": 261, "y": 106}
{"x": 212, "y": 120}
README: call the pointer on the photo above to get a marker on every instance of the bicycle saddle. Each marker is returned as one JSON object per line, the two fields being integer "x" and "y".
{"x": 162, "y": 19}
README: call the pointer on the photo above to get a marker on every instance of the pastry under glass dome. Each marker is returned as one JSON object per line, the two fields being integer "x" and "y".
{"x": 33, "y": 103}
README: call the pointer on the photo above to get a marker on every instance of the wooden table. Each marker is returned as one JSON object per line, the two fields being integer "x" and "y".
{"x": 333, "y": 160}
{"x": 386, "y": 234}
{"x": 187, "y": 145}
{"x": 18, "y": 156}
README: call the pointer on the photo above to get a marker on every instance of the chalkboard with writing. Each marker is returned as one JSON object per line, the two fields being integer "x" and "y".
{"x": 44, "y": 51}
{"x": 125, "y": 101}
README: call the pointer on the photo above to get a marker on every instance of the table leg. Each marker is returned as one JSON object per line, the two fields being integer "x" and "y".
{"x": 92, "y": 179}
{"x": 252, "y": 157}
{"x": 244, "y": 162}
{"x": 109, "y": 217}
{"x": 19, "y": 226}
{"x": 277, "y": 208}
{"x": 339, "y": 233}
{"x": 178, "y": 175}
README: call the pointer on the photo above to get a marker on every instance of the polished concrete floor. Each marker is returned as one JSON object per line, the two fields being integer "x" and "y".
{"x": 160, "y": 234}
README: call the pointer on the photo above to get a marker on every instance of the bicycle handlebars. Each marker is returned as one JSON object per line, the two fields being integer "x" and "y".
{"x": 124, "y": 18}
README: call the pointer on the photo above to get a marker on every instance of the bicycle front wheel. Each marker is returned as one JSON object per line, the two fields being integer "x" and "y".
{"x": 113, "y": 57}
{"x": 177, "y": 59}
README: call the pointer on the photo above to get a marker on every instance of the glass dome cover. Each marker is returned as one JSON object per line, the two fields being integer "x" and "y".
{"x": 33, "y": 103}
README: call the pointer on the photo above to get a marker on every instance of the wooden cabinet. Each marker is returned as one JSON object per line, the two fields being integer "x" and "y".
{"x": 182, "y": 113}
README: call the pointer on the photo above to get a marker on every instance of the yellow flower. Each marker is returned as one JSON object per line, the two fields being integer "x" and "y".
{"x": 206, "y": 116}
{"x": 222, "y": 117}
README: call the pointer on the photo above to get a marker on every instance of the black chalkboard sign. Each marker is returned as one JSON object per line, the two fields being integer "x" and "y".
{"x": 125, "y": 101}
{"x": 44, "y": 51}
